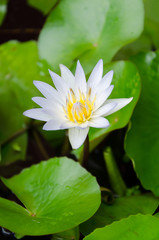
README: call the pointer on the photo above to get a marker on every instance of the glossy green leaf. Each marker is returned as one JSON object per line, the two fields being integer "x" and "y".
{"x": 137, "y": 227}
{"x": 121, "y": 208}
{"x": 89, "y": 30}
{"x": 152, "y": 21}
{"x": 143, "y": 138}
{"x": 149, "y": 38}
{"x": 126, "y": 82}
{"x": 56, "y": 194}
{"x": 43, "y": 6}
{"x": 19, "y": 66}
{"x": 3, "y": 9}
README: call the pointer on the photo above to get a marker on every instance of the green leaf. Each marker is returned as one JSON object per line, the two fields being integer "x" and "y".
{"x": 43, "y": 6}
{"x": 121, "y": 208}
{"x": 3, "y": 9}
{"x": 138, "y": 227}
{"x": 149, "y": 38}
{"x": 89, "y": 30}
{"x": 71, "y": 234}
{"x": 19, "y": 66}
{"x": 56, "y": 194}
{"x": 126, "y": 83}
{"x": 152, "y": 21}
{"x": 143, "y": 138}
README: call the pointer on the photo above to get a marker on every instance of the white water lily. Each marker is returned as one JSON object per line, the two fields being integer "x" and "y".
{"x": 75, "y": 104}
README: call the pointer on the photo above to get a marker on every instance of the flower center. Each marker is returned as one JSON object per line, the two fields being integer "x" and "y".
{"x": 79, "y": 109}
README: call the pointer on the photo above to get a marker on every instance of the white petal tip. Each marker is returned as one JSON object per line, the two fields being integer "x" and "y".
{"x": 100, "y": 61}
{"x": 25, "y": 113}
{"x": 111, "y": 73}
{"x": 50, "y": 71}
{"x": 45, "y": 128}
{"x": 35, "y": 82}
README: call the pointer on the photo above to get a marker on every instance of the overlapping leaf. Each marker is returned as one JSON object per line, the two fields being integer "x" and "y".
{"x": 89, "y": 30}
{"x": 143, "y": 138}
{"x": 56, "y": 194}
{"x": 43, "y": 6}
{"x": 137, "y": 227}
{"x": 19, "y": 66}
{"x": 120, "y": 208}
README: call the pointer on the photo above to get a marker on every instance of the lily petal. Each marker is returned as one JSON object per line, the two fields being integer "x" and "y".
{"x": 104, "y": 83}
{"x": 80, "y": 79}
{"x": 67, "y": 75}
{"x": 77, "y": 136}
{"x": 53, "y": 124}
{"x": 47, "y": 103}
{"x": 67, "y": 124}
{"x": 120, "y": 103}
{"x": 99, "y": 122}
{"x": 42, "y": 102}
{"x": 37, "y": 113}
{"x": 96, "y": 75}
{"x": 47, "y": 90}
{"x": 59, "y": 83}
{"x": 101, "y": 98}
{"x": 108, "y": 78}
{"x": 104, "y": 110}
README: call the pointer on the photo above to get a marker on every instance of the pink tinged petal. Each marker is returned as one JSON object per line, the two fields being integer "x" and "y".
{"x": 104, "y": 110}
{"x": 59, "y": 83}
{"x": 77, "y": 136}
{"x": 120, "y": 103}
{"x": 47, "y": 90}
{"x": 53, "y": 124}
{"x": 80, "y": 79}
{"x": 99, "y": 122}
{"x": 101, "y": 98}
{"x": 37, "y": 113}
{"x": 67, "y": 75}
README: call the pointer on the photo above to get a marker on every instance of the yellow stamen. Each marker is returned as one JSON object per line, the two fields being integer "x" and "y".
{"x": 79, "y": 109}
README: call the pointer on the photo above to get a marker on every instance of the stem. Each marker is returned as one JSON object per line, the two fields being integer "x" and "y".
{"x": 19, "y": 132}
{"x": 40, "y": 144}
{"x": 20, "y": 31}
{"x": 66, "y": 146}
{"x": 15, "y": 135}
{"x": 116, "y": 180}
{"x": 85, "y": 153}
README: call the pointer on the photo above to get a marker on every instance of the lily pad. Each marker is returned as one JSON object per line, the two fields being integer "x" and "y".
{"x": 137, "y": 227}
{"x": 3, "y": 9}
{"x": 142, "y": 139}
{"x": 149, "y": 38}
{"x": 43, "y": 6}
{"x": 71, "y": 234}
{"x": 16, "y": 80}
{"x": 121, "y": 208}
{"x": 126, "y": 81}
{"x": 87, "y": 30}
{"x": 56, "y": 195}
